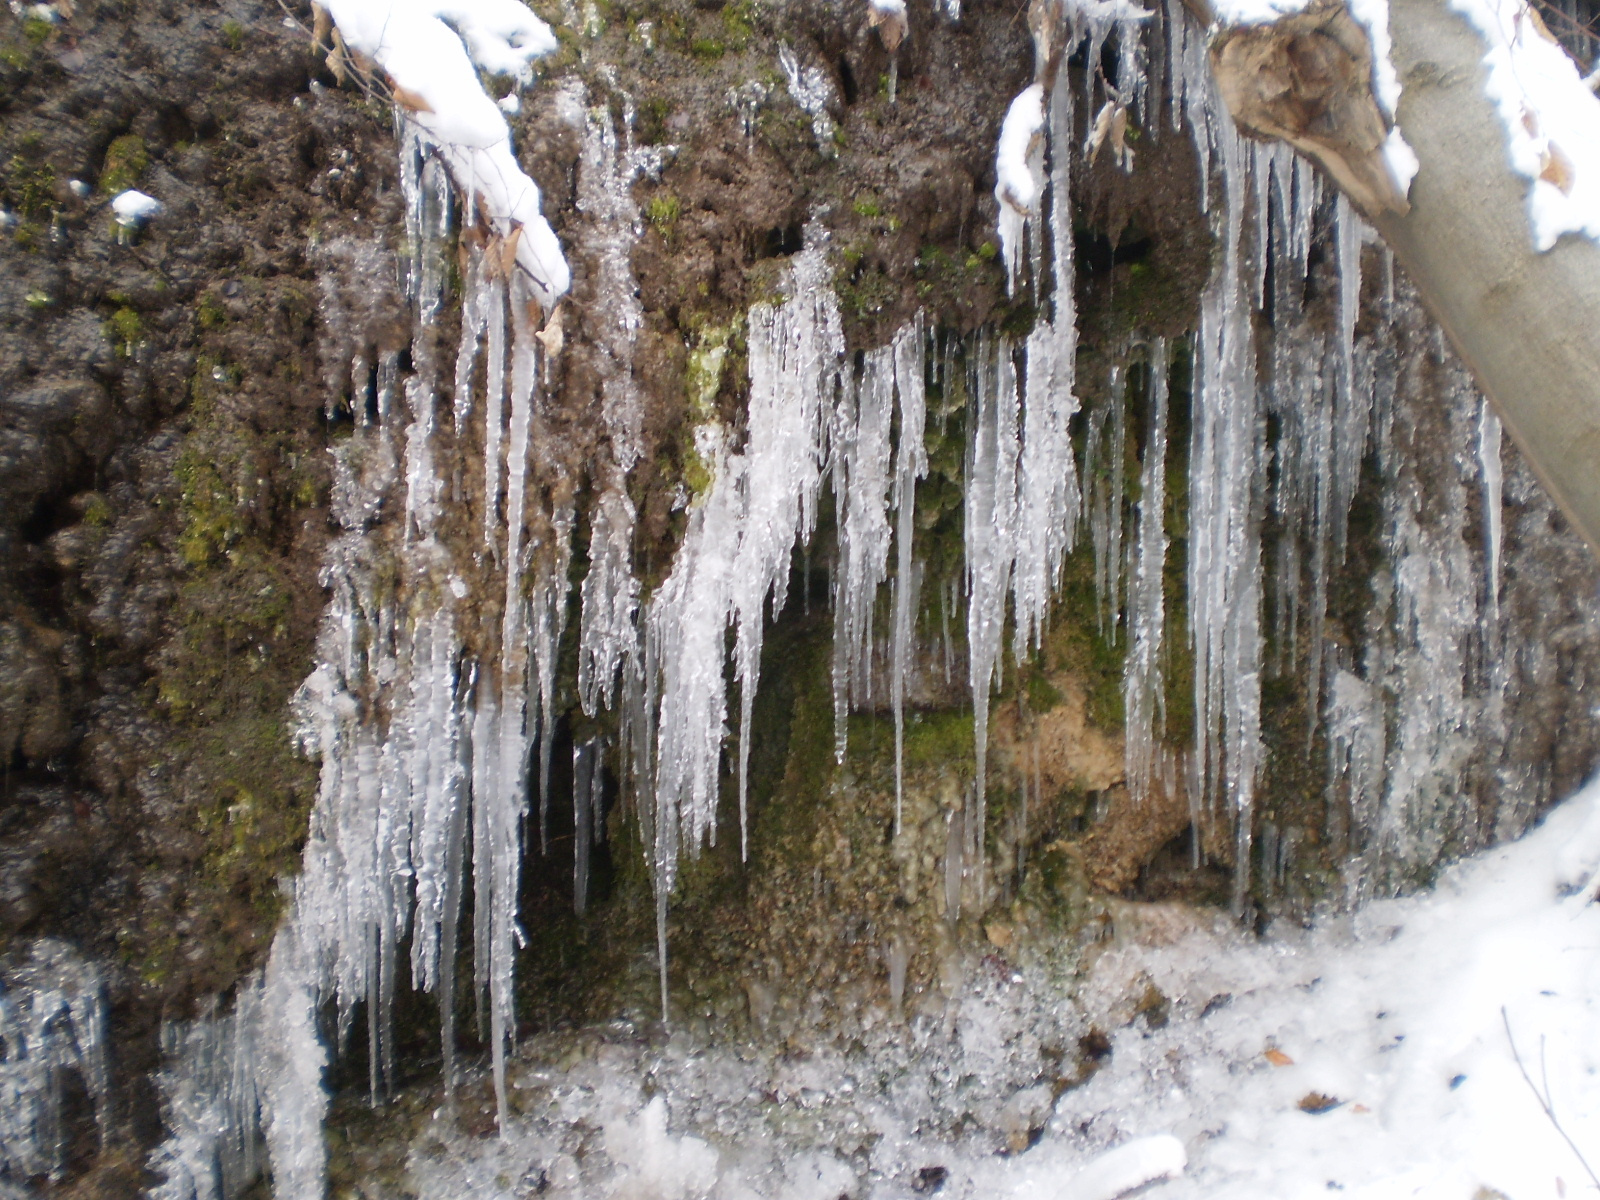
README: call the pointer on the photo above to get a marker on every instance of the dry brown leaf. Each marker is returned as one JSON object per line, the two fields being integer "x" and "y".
{"x": 411, "y": 101}
{"x": 1317, "y": 1103}
{"x": 508, "y": 250}
{"x": 1530, "y": 121}
{"x": 1278, "y": 1058}
{"x": 891, "y": 27}
{"x": 321, "y": 27}
{"x": 1555, "y": 167}
{"x": 551, "y": 335}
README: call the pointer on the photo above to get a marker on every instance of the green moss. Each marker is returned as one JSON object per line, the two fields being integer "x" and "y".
{"x": 867, "y": 206}
{"x": 650, "y": 126}
{"x": 738, "y": 23}
{"x": 30, "y": 186}
{"x": 708, "y": 50}
{"x": 233, "y": 36}
{"x": 37, "y": 30}
{"x": 126, "y": 160}
{"x": 663, "y": 212}
{"x": 97, "y": 512}
{"x": 864, "y": 291}
{"x": 704, "y": 374}
{"x": 1042, "y": 694}
{"x": 210, "y": 314}
{"x": 125, "y": 331}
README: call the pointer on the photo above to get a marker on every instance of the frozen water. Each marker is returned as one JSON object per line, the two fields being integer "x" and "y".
{"x": 52, "y": 1023}
{"x": 1141, "y": 688}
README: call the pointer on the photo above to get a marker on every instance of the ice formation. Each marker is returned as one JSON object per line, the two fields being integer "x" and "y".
{"x": 436, "y": 684}
{"x": 1019, "y": 172}
{"x": 1142, "y": 690}
{"x": 423, "y": 710}
{"x": 735, "y": 555}
{"x": 911, "y": 464}
{"x": 52, "y": 1023}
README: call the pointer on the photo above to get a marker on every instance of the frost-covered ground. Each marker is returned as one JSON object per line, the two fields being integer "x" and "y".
{"x": 1372, "y": 1056}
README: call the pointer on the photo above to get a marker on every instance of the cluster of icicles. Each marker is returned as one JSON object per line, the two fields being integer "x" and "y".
{"x": 438, "y": 654}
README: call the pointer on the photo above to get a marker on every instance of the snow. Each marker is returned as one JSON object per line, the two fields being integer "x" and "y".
{"x": 1374, "y": 1055}
{"x": 134, "y": 208}
{"x": 431, "y": 52}
{"x": 1552, "y": 119}
{"x": 1019, "y": 171}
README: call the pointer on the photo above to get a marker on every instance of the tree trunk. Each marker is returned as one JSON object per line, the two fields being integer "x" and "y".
{"x": 1527, "y": 323}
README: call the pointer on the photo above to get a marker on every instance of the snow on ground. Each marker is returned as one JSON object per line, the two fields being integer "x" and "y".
{"x": 1370, "y": 1057}
{"x": 1552, "y": 119}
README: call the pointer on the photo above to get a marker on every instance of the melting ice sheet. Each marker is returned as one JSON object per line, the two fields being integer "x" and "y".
{"x": 1375, "y": 1056}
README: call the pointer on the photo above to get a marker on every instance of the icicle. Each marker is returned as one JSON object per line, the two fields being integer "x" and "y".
{"x": 911, "y": 464}
{"x": 990, "y": 535}
{"x": 735, "y": 555}
{"x": 861, "y": 482}
{"x": 1107, "y": 488}
{"x": 1141, "y": 687}
{"x": 607, "y": 633}
{"x": 1048, "y": 500}
{"x": 52, "y": 1021}
{"x": 606, "y": 174}
{"x": 1493, "y": 514}
{"x": 1224, "y": 547}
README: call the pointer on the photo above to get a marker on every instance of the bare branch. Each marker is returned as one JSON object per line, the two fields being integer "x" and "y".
{"x": 1544, "y": 1098}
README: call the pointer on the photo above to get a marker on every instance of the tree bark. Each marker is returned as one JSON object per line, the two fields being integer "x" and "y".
{"x": 1526, "y": 323}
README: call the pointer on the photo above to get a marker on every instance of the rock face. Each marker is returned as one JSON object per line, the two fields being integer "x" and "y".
{"x": 169, "y": 393}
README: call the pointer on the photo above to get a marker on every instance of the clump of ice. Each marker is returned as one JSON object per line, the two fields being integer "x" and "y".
{"x": 52, "y": 1023}
{"x": 811, "y": 90}
{"x": 1551, "y": 117}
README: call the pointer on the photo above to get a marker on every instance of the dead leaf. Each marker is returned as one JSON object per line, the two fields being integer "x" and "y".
{"x": 508, "y": 250}
{"x": 1359, "y": 1108}
{"x": 1317, "y": 1103}
{"x": 1555, "y": 167}
{"x": 891, "y": 27}
{"x": 551, "y": 335}
{"x": 411, "y": 101}
{"x": 1101, "y": 130}
{"x": 1539, "y": 26}
{"x": 1530, "y": 121}
{"x": 321, "y": 27}
{"x": 1278, "y": 1058}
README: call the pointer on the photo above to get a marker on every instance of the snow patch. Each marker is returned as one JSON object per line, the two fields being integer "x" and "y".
{"x": 134, "y": 208}
{"x": 1019, "y": 171}
{"x": 430, "y": 52}
{"x": 1552, "y": 119}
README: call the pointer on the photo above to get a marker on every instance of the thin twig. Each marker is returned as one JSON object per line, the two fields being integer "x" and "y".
{"x": 1544, "y": 1098}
